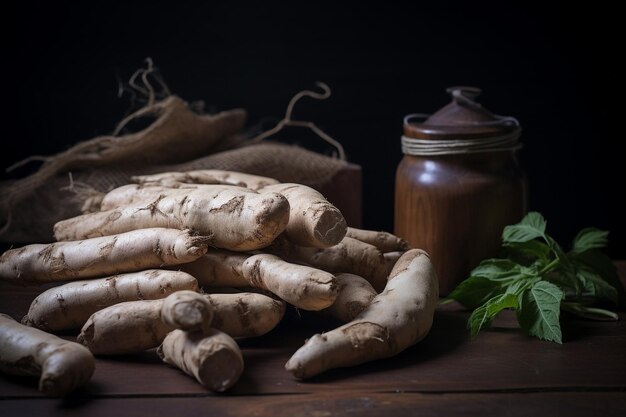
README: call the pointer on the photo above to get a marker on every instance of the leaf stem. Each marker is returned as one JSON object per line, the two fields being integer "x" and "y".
{"x": 549, "y": 267}
{"x": 589, "y": 312}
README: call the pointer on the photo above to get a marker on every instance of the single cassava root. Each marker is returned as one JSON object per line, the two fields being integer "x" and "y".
{"x": 109, "y": 255}
{"x": 135, "y": 326}
{"x": 61, "y": 365}
{"x": 129, "y": 327}
{"x": 397, "y": 318}
{"x": 350, "y": 255}
{"x": 218, "y": 268}
{"x": 187, "y": 310}
{"x": 313, "y": 221}
{"x": 384, "y": 241}
{"x": 304, "y": 287}
{"x": 143, "y": 194}
{"x": 245, "y": 314}
{"x": 354, "y": 295}
{"x": 230, "y": 217}
{"x": 207, "y": 176}
{"x": 212, "y": 357}
{"x": 69, "y": 306}
{"x": 133, "y": 195}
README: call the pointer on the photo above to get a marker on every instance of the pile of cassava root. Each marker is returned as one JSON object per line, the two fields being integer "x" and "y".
{"x": 189, "y": 262}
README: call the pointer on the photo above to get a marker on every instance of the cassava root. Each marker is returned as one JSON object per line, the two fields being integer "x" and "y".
{"x": 135, "y": 326}
{"x": 212, "y": 358}
{"x": 397, "y": 318}
{"x": 132, "y": 195}
{"x": 61, "y": 365}
{"x": 313, "y": 221}
{"x": 207, "y": 176}
{"x": 384, "y": 241}
{"x": 229, "y": 217}
{"x": 69, "y": 306}
{"x": 350, "y": 255}
{"x": 102, "y": 256}
{"x": 354, "y": 295}
{"x": 187, "y": 310}
{"x": 304, "y": 287}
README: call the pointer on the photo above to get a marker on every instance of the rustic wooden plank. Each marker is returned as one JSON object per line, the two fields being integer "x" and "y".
{"x": 446, "y": 361}
{"x": 571, "y": 404}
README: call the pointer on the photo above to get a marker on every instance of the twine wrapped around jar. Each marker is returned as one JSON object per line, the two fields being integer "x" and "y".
{"x": 508, "y": 141}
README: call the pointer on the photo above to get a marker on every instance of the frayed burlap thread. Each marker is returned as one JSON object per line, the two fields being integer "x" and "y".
{"x": 177, "y": 134}
{"x": 75, "y": 180}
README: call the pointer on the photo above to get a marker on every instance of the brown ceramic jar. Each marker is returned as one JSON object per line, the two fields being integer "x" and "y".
{"x": 458, "y": 185}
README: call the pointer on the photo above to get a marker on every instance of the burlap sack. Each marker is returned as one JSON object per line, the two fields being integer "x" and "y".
{"x": 178, "y": 140}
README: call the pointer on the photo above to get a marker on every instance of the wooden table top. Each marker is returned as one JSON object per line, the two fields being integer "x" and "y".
{"x": 500, "y": 372}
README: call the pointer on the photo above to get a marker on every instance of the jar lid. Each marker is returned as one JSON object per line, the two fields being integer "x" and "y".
{"x": 463, "y": 118}
{"x": 463, "y": 126}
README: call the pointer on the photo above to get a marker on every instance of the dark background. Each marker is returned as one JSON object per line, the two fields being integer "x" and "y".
{"x": 554, "y": 67}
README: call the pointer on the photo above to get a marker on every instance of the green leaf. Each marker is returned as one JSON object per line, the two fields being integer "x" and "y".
{"x": 500, "y": 270}
{"x": 589, "y": 312}
{"x": 595, "y": 286}
{"x": 535, "y": 220}
{"x": 482, "y": 316}
{"x": 493, "y": 268}
{"x": 536, "y": 276}
{"x": 532, "y": 226}
{"x": 521, "y": 285}
{"x": 475, "y": 291}
{"x": 604, "y": 266}
{"x": 532, "y": 249}
{"x": 539, "y": 311}
{"x": 589, "y": 238}
{"x": 566, "y": 280}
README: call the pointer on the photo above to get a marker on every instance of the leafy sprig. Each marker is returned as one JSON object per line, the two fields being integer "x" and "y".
{"x": 538, "y": 279}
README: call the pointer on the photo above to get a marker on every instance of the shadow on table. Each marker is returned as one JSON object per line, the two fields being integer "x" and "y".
{"x": 81, "y": 396}
{"x": 74, "y": 399}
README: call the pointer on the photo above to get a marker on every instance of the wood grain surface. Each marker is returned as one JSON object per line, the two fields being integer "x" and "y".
{"x": 500, "y": 372}
{"x": 335, "y": 404}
